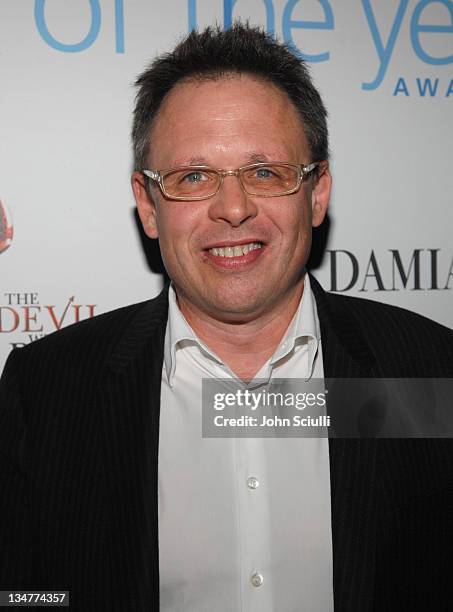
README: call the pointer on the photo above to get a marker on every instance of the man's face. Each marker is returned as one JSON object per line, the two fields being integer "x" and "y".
{"x": 228, "y": 123}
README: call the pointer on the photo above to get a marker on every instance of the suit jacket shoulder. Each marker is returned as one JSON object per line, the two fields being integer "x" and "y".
{"x": 90, "y": 345}
{"x": 390, "y": 341}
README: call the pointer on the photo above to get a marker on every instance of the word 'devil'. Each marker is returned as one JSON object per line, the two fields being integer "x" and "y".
{"x": 33, "y": 318}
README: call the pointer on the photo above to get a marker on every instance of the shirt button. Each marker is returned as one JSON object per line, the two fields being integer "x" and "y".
{"x": 253, "y": 483}
{"x": 257, "y": 579}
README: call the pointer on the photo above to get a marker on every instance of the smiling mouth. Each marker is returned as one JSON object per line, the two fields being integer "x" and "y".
{"x": 235, "y": 251}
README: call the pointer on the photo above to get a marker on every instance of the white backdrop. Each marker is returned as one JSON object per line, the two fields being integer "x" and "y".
{"x": 66, "y": 97}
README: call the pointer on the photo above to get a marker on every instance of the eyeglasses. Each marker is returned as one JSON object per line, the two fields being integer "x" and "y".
{"x": 265, "y": 180}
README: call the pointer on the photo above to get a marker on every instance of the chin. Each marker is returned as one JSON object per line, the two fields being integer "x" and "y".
{"x": 233, "y": 308}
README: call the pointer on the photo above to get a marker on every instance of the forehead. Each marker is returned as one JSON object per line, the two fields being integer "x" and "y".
{"x": 227, "y": 116}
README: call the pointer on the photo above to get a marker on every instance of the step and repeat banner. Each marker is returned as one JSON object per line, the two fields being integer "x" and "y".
{"x": 70, "y": 247}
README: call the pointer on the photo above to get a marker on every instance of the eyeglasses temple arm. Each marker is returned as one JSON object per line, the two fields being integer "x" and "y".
{"x": 152, "y": 174}
{"x": 304, "y": 170}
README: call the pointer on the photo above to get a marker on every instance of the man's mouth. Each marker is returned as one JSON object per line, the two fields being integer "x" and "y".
{"x": 235, "y": 251}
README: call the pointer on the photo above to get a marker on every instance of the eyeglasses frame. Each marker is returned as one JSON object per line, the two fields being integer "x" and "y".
{"x": 159, "y": 175}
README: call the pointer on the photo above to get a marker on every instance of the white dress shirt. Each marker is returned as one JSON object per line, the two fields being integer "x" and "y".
{"x": 244, "y": 523}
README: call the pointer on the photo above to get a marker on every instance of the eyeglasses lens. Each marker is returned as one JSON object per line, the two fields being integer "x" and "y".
{"x": 270, "y": 180}
{"x": 191, "y": 183}
{"x": 266, "y": 180}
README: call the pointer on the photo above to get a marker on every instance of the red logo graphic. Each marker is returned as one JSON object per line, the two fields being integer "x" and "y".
{"x": 6, "y": 228}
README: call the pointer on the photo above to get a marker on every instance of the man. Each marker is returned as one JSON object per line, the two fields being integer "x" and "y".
{"x": 109, "y": 489}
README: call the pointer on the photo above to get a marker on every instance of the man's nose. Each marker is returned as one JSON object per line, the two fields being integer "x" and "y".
{"x": 231, "y": 204}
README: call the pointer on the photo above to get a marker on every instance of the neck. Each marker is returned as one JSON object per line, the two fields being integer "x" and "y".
{"x": 245, "y": 346}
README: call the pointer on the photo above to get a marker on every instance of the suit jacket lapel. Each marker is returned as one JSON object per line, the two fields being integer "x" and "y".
{"x": 129, "y": 399}
{"x": 352, "y": 463}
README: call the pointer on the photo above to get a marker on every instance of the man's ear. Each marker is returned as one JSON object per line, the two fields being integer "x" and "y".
{"x": 320, "y": 195}
{"x": 145, "y": 204}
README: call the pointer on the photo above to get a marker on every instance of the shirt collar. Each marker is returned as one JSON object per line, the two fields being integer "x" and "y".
{"x": 179, "y": 332}
{"x": 304, "y": 328}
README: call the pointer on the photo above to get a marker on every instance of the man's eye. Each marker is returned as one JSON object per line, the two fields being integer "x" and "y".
{"x": 194, "y": 177}
{"x": 265, "y": 173}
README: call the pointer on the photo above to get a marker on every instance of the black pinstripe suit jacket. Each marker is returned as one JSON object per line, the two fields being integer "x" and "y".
{"x": 79, "y": 430}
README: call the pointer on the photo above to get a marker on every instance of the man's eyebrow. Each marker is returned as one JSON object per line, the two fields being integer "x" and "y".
{"x": 256, "y": 158}
{"x": 252, "y": 157}
{"x": 189, "y": 161}
{"x": 197, "y": 161}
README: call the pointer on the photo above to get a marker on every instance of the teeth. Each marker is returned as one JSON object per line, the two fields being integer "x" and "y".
{"x": 236, "y": 251}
